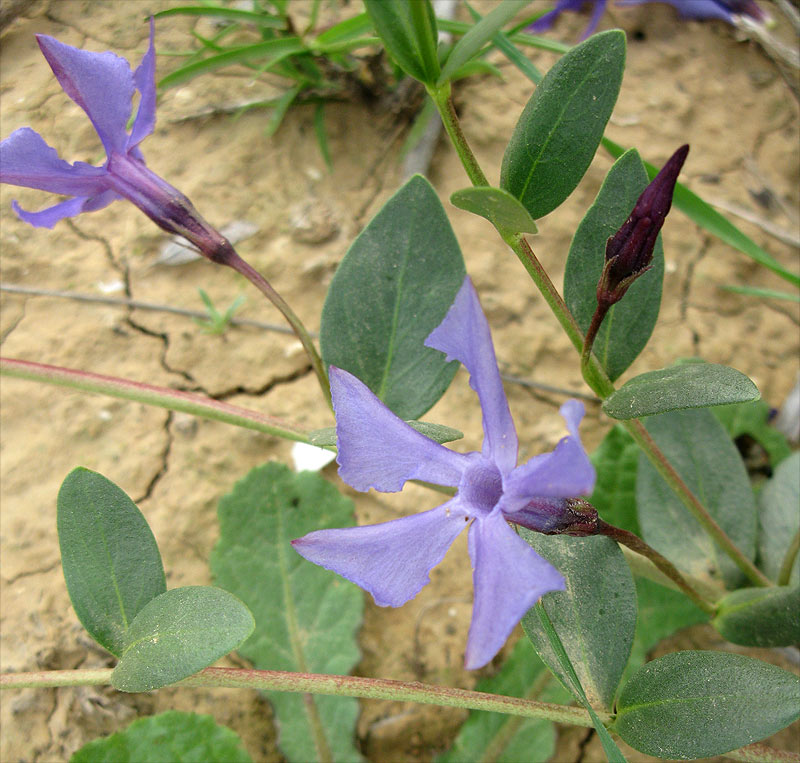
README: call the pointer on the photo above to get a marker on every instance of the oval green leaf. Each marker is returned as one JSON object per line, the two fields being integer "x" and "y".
{"x": 393, "y": 287}
{"x": 595, "y": 616}
{"x": 779, "y": 520}
{"x": 703, "y": 454}
{"x": 179, "y": 633}
{"x": 561, "y": 126}
{"x": 697, "y": 704}
{"x": 689, "y": 385}
{"x": 628, "y": 324}
{"x": 760, "y": 616}
{"x": 307, "y": 617}
{"x": 109, "y": 555}
{"x": 499, "y": 207}
{"x": 172, "y": 736}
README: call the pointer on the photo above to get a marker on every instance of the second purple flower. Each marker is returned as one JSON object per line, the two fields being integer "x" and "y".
{"x": 376, "y": 449}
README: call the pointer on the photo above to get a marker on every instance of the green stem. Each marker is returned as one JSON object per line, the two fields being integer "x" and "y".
{"x": 593, "y": 373}
{"x": 667, "y": 471}
{"x": 261, "y": 283}
{"x": 788, "y": 561}
{"x": 163, "y": 397}
{"x": 588, "y": 340}
{"x": 635, "y": 543}
{"x": 340, "y": 686}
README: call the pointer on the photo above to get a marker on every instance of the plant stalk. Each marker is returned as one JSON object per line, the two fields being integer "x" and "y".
{"x": 785, "y": 571}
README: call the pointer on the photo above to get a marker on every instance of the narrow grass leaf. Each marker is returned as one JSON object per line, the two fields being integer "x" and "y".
{"x": 178, "y": 634}
{"x": 171, "y": 737}
{"x": 232, "y": 14}
{"x": 393, "y": 287}
{"x": 306, "y": 617}
{"x": 111, "y": 562}
{"x": 691, "y": 705}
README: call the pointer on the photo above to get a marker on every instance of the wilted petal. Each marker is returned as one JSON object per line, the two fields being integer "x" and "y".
{"x": 391, "y": 560}
{"x": 47, "y": 218}
{"x": 100, "y": 83}
{"x": 26, "y": 160}
{"x": 567, "y": 472}
{"x": 378, "y": 449}
{"x": 464, "y": 335}
{"x": 509, "y": 578}
{"x": 145, "y": 80}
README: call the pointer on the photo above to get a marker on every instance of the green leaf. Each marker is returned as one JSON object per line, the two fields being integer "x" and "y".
{"x": 778, "y": 518}
{"x": 178, "y": 634}
{"x": 753, "y": 291}
{"x": 661, "y": 612}
{"x": 306, "y": 617}
{"x": 595, "y": 616}
{"x": 232, "y": 14}
{"x": 408, "y": 31}
{"x": 628, "y": 324}
{"x": 393, "y": 287}
{"x": 326, "y": 437}
{"x": 171, "y": 737}
{"x": 109, "y": 555}
{"x": 690, "y": 385}
{"x": 499, "y": 737}
{"x": 702, "y": 453}
{"x": 697, "y": 704}
{"x": 760, "y": 616}
{"x": 499, "y": 207}
{"x": 345, "y": 31}
{"x": 560, "y": 128}
{"x": 614, "y": 496}
{"x": 707, "y": 217}
{"x": 753, "y": 419}
{"x": 478, "y": 36}
{"x": 273, "y": 51}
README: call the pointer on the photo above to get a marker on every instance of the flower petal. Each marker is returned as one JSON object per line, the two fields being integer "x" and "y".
{"x": 100, "y": 83}
{"x": 26, "y": 160}
{"x": 567, "y": 472}
{"x": 47, "y": 218}
{"x": 145, "y": 80}
{"x": 391, "y": 560}
{"x": 378, "y": 449}
{"x": 464, "y": 335}
{"x": 509, "y": 578}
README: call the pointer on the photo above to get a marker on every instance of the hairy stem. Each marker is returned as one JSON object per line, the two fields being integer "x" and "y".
{"x": 341, "y": 686}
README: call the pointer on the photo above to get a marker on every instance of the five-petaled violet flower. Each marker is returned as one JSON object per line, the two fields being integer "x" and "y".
{"x": 377, "y": 449}
{"x": 103, "y": 85}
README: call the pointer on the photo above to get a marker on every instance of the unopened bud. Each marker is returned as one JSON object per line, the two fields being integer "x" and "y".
{"x": 629, "y": 252}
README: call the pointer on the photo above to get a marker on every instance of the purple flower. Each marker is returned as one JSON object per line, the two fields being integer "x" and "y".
{"x": 547, "y": 21}
{"x": 724, "y": 10}
{"x": 102, "y": 84}
{"x": 377, "y": 449}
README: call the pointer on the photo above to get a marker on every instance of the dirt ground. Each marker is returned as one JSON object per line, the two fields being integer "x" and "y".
{"x": 685, "y": 82}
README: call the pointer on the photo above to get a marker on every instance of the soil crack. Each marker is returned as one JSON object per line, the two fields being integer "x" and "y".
{"x": 151, "y": 486}
{"x": 31, "y": 573}
{"x": 268, "y": 387}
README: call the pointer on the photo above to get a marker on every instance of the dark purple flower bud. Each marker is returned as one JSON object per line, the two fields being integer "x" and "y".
{"x": 629, "y": 252}
{"x": 558, "y": 516}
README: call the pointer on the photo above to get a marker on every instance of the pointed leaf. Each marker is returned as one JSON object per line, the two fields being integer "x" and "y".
{"x": 171, "y": 737}
{"x": 178, "y": 634}
{"x": 697, "y": 704}
{"x": 595, "y": 616}
{"x": 109, "y": 555}
{"x": 560, "y": 128}
{"x": 760, "y": 616}
{"x": 704, "y": 456}
{"x": 499, "y": 207}
{"x": 690, "y": 385}
{"x": 628, "y": 324}
{"x": 478, "y": 36}
{"x": 499, "y": 737}
{"x": 393, "y": 287}
{"x": 437, "y": 432}
{"x": 778, "y": 518}
{"x": 306, "y": 617}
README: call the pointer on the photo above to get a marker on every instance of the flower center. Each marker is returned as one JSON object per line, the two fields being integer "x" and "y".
{"x": 481, "y": 486}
